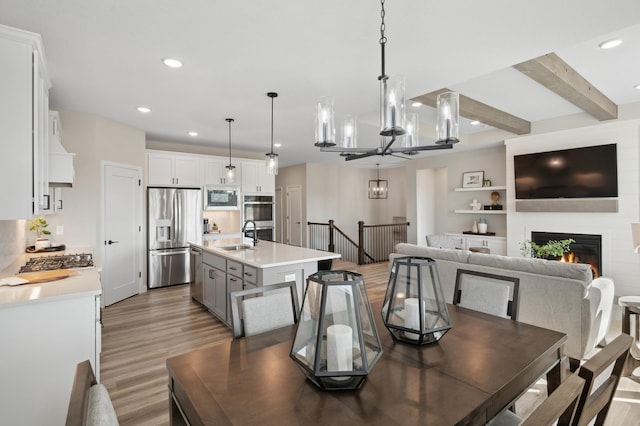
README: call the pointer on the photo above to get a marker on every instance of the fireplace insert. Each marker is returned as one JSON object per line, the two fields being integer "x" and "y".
{"x": 586, "y": 249}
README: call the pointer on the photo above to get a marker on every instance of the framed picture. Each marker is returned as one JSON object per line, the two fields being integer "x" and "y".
{"x": 472, "y": 179}
{"x": 486, "y": 183}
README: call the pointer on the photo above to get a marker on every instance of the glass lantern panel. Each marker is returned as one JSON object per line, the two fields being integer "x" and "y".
{"x": 370, "y": 340}
{"x": 305, "y": 342}
{"x": 436, "y": 312}
{"x": 341, "y": 330}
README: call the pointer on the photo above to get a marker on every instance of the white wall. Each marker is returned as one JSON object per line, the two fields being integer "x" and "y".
{"x": 93, "y": 139}
{"x": 619, "y": 260}
{"x": 448, "y": 169}
{"x": 291, "y": 176}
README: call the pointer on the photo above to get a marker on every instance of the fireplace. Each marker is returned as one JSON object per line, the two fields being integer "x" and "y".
{"x": 586, "y": 249}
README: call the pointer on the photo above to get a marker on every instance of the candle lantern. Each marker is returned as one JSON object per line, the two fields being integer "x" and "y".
{"x": 336, "y": 342}
{"x": 414, "y": 309}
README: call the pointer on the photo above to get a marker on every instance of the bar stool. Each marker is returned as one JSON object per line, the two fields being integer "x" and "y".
{"x": 631, "y": 306}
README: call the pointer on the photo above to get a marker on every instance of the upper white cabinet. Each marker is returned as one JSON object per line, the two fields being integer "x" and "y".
{"x": 215, "y": 169}
{"x": 24, "y": 105}
{"x": 256, "y": 179}
{"x": 167, "y": 169}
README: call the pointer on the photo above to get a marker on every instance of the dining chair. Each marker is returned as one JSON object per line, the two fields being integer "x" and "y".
{"x": 562, "y": 402}
{"x": 262, "y": 309}
{"x": 441, "y": 241}
{"x": 489, "y": 293}
{"x": 89, "y": 403}
{"x": 601, "y": 374}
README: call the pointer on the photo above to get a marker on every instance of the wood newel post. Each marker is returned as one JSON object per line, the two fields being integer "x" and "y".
{"x": 361, "y": 242}
{"x": 332, "y": 246}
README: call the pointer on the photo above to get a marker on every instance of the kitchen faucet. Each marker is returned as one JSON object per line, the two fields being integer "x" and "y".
{"x": 255, "y": 231}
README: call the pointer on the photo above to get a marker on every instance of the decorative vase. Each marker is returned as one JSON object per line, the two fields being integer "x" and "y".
{"x": 482, "y": 228}
{"x": 474, "y": 228}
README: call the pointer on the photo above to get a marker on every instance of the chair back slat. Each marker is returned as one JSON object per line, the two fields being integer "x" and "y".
{"x": 601, "y": 374}
{"x": 562, "y": 402}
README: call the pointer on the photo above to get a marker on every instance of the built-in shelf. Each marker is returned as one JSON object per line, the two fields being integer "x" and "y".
{"x": 481, "y": 188}
{"x": 481, "y": 212}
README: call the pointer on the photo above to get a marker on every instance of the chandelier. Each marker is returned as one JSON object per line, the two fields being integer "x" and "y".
{"x": 392, "y": 119}
{"x": 378, "y": 188}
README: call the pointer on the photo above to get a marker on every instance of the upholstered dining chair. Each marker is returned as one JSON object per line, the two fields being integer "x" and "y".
{"x": 601, "y": 374}
{"x": 89, "y": 403}
{"x": 489, "y": 293}
{"x": 263, "y": 309}
{"x": 562, "y": 402}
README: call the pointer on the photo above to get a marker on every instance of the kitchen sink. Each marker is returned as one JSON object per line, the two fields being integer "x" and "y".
{"x": 236, "y": 247}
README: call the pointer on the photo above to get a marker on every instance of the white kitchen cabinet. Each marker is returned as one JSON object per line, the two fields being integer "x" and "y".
{"x": 168, "y": 169}
{"x": 255, "y": 178}
{"x": 215, "y": 171}
{"x": 24, "y": 103}
{"x": 42, "y": 342}
{"x": 234, "y": 283}
{"x": 496, "y": 245}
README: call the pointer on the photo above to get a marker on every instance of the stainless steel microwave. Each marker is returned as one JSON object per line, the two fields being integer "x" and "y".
{"x": 221, "y": 199}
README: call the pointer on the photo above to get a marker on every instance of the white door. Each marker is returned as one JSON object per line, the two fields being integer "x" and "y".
{"x": 294, "y": 215}
{"x": 122, "y": 227}
{"x": 279, "y": 215}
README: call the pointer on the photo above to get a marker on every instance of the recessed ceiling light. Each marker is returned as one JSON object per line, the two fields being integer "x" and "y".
{"x": 143, "y": 109}
{"x": 475, "y": 123}
{"x": 172, "y": 62}
{"x": 416, "y": 104}
{"x": 637, "y": 86}
{"x": 277, "y": 144}
{"x": 610, "y": 44}
{"x": 193, "y": 134}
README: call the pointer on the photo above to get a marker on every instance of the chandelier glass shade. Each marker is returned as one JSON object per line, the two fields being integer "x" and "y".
{"x": 271, "y": 161}
{"x": 230, "y": 173}
{"x": 447, "y": 126}
{"x": 349, "y": 132}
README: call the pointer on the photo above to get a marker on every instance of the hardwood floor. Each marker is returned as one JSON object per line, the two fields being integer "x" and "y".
{"x": 141, "y": 332}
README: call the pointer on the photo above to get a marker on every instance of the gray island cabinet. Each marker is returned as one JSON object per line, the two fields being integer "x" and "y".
{"x": 226, "y": 269}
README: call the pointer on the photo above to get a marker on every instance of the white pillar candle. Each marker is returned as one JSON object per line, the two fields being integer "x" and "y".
{"x": 339, "y": 352}
{"x": 412, "y": 316}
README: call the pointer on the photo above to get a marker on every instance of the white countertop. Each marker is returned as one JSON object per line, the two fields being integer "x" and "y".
{"x": 86, "y": 282}
{"x": 266, "y": 254}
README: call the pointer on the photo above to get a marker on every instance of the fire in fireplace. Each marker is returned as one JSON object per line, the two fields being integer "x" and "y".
{"x": 586, "y": 249}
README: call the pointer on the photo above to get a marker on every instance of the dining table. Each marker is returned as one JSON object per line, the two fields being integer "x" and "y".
{"x": 474, "y": 372}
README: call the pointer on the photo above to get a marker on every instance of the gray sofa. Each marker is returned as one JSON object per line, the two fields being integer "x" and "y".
{"x": 555, "y": 295}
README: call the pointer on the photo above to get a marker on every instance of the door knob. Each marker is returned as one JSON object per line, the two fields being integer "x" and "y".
{"x": 111, "y": 242}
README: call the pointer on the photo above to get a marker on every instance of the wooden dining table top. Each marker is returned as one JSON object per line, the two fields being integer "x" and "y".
{"x": 474, "y": 372}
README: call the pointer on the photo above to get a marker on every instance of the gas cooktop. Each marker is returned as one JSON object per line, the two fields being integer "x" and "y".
{"x": 49, "y": 263}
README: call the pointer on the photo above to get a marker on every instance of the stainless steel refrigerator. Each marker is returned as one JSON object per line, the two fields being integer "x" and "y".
{"x": 174, "y": 219}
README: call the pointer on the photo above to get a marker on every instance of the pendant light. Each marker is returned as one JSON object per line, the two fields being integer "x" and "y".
{"x": 230, "y": 174}
{"x": 378, "y": 188}
{"x": 392, "y": 118}
{"x": 272, "y": 157}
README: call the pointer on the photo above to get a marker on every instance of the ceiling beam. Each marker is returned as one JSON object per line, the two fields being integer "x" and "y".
{"x": 474, "y": 110}
{"x": 556, "y": 75}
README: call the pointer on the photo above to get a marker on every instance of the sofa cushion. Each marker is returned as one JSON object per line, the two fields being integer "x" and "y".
{"x": 453, "y": 255}
{"x": 576, "y": 271}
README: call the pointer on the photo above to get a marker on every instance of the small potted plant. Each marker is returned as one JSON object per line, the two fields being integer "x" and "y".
{"x": 39, "y": 226}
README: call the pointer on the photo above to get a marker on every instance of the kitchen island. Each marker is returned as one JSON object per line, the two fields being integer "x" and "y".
{"x": 232, "y": 264}
{"x": 46, "y": 329}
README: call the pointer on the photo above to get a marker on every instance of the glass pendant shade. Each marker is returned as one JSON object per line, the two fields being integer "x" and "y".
{"x": 336, "y": 342}
{"x": 392, "y": 105}
{"x": 230, "y": 174}
{"x": 447, "y": 106}
{"x": 414, "y": 308}
{"x": 325, "y": 129}
{"x": 272, "y": 163}
{"x": 411, "y": 137}
{"x": 349, "y": 132}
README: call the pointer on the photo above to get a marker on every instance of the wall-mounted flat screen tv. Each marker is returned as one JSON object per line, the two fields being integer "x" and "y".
{"x": 588, "y": 172}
